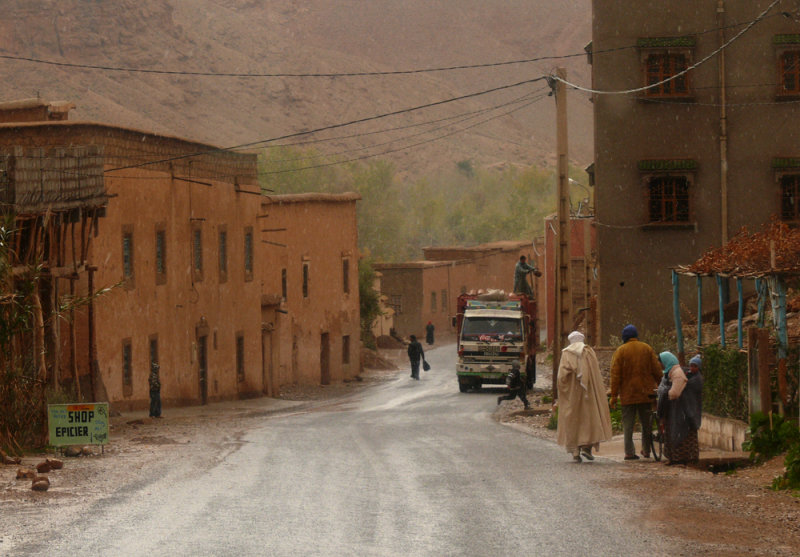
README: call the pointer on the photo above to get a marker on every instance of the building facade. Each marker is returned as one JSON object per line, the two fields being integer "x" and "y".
{"x": 231, "y": 293}
{"x": 682, "y": 166}
{"x": 427, "y": 290}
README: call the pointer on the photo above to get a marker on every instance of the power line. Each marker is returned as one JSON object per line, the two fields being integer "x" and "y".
{"x": 457, "y": 119}
{"x": 332, "y": 126}
{"x": 413, "y": 145}
{"x": 676, "y": 75}
{"x": 123, "y": 69}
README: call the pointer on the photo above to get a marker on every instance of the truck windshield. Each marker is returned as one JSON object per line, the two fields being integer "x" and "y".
{"x": 491, "y": 328}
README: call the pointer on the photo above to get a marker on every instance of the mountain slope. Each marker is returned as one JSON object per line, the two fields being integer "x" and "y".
{"x": 315, "y": 36}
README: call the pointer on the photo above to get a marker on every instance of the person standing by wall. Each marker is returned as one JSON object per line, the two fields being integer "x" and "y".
{"x": 680, "y": 405}
{"x": 635, "y": 374}
{"x": 415, "y": 354}
{"x": 521, "y": 270}
{"x": 429, "y": 328}
{"x": 583, "y": 417}
{"x": 155, "y": 391}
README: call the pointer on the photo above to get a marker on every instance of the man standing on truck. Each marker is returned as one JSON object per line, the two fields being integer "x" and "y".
{"x": 521, "y": 271}
{"x": 415, "y": 354}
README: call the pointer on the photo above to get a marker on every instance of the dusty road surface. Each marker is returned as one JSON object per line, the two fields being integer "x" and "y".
{"x": 388, "y": 466}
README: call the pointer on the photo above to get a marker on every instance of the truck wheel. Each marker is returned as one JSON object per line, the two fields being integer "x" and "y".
{"x": 476, "y": 384}
{"x": 462, "y": 387}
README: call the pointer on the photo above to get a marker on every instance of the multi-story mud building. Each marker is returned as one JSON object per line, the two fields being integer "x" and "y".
{"x": 683, "y": 161}
{"x": 231, "y": 292}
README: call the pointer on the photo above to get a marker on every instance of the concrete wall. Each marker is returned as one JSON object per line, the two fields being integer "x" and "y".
{"x": 635, "y": 257}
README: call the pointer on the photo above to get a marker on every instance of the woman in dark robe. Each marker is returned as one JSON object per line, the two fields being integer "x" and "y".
{"x": 680, "y": 406}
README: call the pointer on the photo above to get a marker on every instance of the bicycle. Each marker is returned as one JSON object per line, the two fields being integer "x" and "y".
{"x": 658, "y": 435}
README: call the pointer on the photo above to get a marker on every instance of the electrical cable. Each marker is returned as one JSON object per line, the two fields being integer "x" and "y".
{"x": 332, "y": 126}
{"x": 749, "y": 26}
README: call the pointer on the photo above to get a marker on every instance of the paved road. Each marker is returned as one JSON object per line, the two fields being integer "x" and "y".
{"x": 405, "y": 468}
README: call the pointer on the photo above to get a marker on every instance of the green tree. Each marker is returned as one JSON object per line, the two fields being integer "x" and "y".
{"x": 369, "y": 301}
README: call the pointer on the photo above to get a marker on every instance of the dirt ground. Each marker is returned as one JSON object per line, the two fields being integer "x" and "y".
{"x": 725, "y": 514}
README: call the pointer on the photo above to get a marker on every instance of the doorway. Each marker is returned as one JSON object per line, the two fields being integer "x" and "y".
{"x": 202, "y": 367}
{"x": 325, "y": 359}
{"x": 266, "y": 363}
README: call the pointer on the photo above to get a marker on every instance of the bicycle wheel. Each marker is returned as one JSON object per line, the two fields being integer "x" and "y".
{"x": 657, "y": 439}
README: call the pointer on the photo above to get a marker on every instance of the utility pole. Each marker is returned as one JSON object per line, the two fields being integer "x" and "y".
{"x": 563, "y": 278}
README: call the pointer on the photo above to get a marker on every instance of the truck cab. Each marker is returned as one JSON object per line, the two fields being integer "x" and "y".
{"x": 494, "y": 330}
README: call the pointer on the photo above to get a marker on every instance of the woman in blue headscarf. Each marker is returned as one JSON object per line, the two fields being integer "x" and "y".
{"x": 680, "y": 405}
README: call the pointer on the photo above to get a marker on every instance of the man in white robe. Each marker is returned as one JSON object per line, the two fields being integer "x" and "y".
{"x": 583, "y": 416}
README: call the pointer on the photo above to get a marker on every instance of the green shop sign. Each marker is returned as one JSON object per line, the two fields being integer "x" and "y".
{"x": 78, "y": 424}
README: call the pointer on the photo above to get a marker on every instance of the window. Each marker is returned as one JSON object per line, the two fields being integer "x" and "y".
{"x": 668, "y": 199}
{"x": 223, "y": 255}
{"x": 788, "y": 56}
{"x": 197, "y": 253}
{"x": 665, "y": 57}
{"x": 283, "y": 284}
{"x": 248, "y": 253}
{"x": 444, "y": 301}
{"x": 346, "y": 275}
{"x": 153, "y": 352}
{"x": 127, "y": 255}
{"x": 240, "y": 357}
{"x": 433, "y": 301}
{"x": 790, "y": 197}
{"x": 667, "y": 185}
{"x": 161, "y": 254}
{"x": 127, "y": 367}
{"x": 663, "y": 66}
{"x": 346, "y": 349}
{"x": 789, "y": 69}
{"x": 305, "y": 280}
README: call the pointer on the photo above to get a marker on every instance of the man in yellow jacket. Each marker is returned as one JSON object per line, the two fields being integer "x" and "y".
{"x": 635, "y": 374}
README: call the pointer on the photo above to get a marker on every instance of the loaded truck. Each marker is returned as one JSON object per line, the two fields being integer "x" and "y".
{"x": 494, "y": 329}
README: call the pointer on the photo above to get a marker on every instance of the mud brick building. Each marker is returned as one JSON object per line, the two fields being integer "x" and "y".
{"x": 422, "y": 291}
{"x": 231, "y": 293}
{"x": 681, "y": 167}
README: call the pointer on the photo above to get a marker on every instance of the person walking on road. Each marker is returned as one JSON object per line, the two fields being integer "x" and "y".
{"x": 155, "y": 391}
{"x": 635, "y": 374}
{"x": 680, "y": 405}
{"x": 516, "y": 386}
{"x": 583, "y": 417}
{"x": 521, "y": 271}
{"x": 415, "y": 354}
{"x": 429, "y": 333}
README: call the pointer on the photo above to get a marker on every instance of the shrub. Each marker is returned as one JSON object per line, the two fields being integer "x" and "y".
{"x": 770, "y": 436}
{"x": 553, "y": 423}
{"x": 725, "y": 382}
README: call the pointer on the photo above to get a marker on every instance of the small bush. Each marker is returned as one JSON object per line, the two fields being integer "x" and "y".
{"x": 770, "y": 437}
{"x": 616, "y": 419}
{"x": 725, "y": 382}
{"x": 553, "y": 423}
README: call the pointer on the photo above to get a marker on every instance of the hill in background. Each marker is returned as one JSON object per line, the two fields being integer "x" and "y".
{"x": 314, "y": 36}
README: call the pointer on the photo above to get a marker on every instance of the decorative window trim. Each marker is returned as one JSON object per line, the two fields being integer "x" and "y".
{"x": 683, "y": 46}
{"x": 651, "y": 169}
